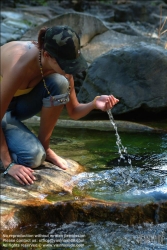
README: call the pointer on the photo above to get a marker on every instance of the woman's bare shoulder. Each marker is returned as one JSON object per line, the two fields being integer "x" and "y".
{"x": 16, "y": 53}
{"x": 16, "y": 47}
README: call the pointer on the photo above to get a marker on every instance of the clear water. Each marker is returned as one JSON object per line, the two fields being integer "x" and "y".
{"x": 144, "y": 181}
{"x": 121, "y": 149}
{"x": 109, "y": 174}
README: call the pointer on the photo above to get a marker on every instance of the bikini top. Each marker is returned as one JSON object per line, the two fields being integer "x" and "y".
{"x": 20, "y": 91}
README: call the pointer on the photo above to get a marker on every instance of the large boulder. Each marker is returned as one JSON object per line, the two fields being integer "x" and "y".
{"x": 87, "y": 26}
{"x": 135, "y": 11}
{"x": 110, "y": 39}
{"x": 137, "y": 75}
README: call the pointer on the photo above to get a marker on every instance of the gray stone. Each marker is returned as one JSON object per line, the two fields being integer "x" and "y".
{"x": 11, "y": 15}
{"x": 123, "y": 126}
{"x": 6, "y": 37}
{"x": 111, "y": 39}
{"x": 101, "y": 125}
{"x": 16, "y": 24}
{"x": 7, "y": 29}
{"x": 136, "y": 75}
{"x": 87, "y": 26}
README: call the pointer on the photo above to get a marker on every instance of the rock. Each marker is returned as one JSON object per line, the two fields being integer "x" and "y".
{"x": 50, "y": 180}
{"x": 139, "y": 29}
{"x": 136, "y": 75}
{"x": 7, "y": 29}
{"x": 25, "y": 205}
{"x": 9, "y": 37}
{"x": 14, "y": 24}
{"x": 87, "y": 26}
{"x": 89, "y": 210}
{"x": 12, "y": 29}
{"x": 136, "y": 11}
{"x": 101, "y": 125}
{"x": 40, "y": 11}
{"x": 111, "y": 39}
{"x": 6, "y": 14}
{"x": 17, "y": 24}
{"x": 123, "y": 126}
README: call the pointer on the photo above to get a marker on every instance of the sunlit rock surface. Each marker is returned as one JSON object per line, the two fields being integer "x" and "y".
{"x": 87, "y": 26}
{"x": 50, "y": 180}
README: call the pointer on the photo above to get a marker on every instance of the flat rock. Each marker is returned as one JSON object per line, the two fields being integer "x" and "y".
{"x": 50, "y": 180}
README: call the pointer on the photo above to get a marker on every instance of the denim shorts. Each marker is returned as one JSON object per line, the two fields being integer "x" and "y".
{"x": 24, "y": 147}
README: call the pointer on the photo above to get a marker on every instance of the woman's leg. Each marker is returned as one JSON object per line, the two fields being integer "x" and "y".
{"x": 24, "y": 146}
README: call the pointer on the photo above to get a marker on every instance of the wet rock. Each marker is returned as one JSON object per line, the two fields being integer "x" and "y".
{"x": 91, "y": 210}
{"x": 136, "y": 75}
{"x": 50, "y": 180}
{"x": 25, "y": 205}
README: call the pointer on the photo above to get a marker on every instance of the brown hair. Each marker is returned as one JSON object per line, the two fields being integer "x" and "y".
{"x": 41, "y": 36}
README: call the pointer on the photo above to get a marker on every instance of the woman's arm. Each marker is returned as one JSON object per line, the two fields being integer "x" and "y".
{"x": 78, "y": 110}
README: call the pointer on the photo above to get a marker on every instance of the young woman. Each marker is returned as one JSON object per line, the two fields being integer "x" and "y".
{"x": 38, "y": 76}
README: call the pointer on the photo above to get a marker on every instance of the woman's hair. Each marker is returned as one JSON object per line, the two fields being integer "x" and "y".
{"x": 41, "y": 36}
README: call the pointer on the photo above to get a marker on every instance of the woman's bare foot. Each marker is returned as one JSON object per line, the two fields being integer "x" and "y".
{"x": 55, "y": 159}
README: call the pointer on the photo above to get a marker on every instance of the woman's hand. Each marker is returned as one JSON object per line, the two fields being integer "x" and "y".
{"x": 105, "y": 102}
{"x": 23, "y": 175}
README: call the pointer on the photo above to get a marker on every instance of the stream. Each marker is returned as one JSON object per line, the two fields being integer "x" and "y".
{"x": 138, "y": 176}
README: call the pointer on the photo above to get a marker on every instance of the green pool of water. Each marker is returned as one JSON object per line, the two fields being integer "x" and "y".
{"x": 105, "y": 176}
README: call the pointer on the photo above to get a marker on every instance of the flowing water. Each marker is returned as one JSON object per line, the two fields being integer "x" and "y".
{"x": 102, "y": 235}
{"x": 145, "y": 181}
{"x": 121, "y": 149}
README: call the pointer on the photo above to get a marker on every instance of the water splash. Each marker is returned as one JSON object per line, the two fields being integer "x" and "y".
{"x": 121, "y": 149}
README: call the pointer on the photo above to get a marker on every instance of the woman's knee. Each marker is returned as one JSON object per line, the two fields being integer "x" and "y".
{"x": 57, "y": 84}
{"x": 32, "y": 158}
{"x": 59, "y": 89}
{"x": 38, "y": 157}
